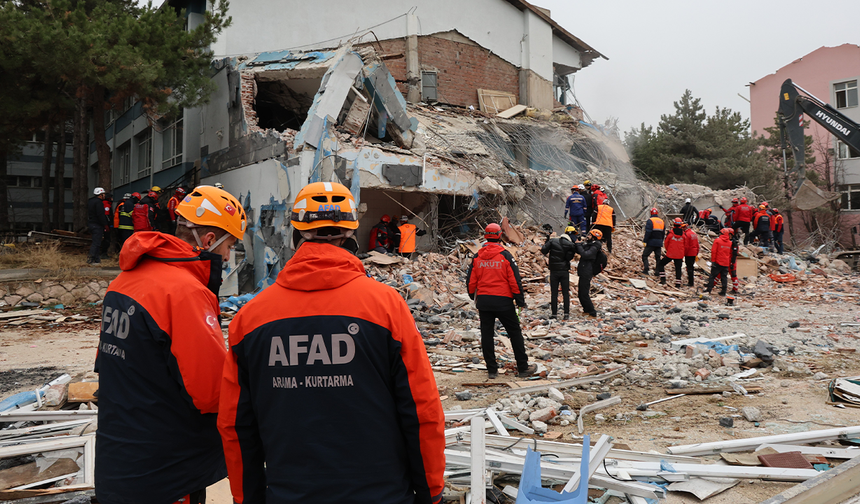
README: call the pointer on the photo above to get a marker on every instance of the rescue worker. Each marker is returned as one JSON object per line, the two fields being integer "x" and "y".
{"x": 408, "y": 233}
{"x": 380, "y": 235}
{"x": 589, "y": 266}
{"x": 125, "y": 211}
{"x": 161, "y": 358}
{"x": 171, "y": 206}
{"x": 655, "y": 231}
{"x": 691, "y": 252}
{"x": 394, "y": 233}
{"x": 674, "y": 245}
{"x": 733, "y": 262}
{"x": 605, "y": 222}
{"x": 708, "y": 221}
{"x": 574, "y": 209}
{"x": 97, "y": 222}
{"x": 730, "y": 214}
{"x": 110, "y": 230}
{"x": 721, "y": 256}
{"x": 778, "y": 230}
{"x": 325, "y": 335}
{"x": 560, "y": 251}
{"x": 762, "y": 227}
{"x": 599, "y": 196}
{"x": 119, "y": 238}
{"x": 742, "y": 218}
{"x": 162, "y": 220}
{"x": 144, "y": 213}
{"x": 494, "y": 283}
{"x": 585, "y": 190}
{"x": 689, "y": 213}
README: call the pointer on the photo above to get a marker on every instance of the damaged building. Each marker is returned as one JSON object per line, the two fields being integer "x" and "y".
{"x": 485, "y": 136}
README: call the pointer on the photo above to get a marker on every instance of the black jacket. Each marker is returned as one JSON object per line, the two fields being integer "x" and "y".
{"x": 561, "y": 250}
{"x": 589, "y": 203}
{"x": 588, "y": 252}
{"x": 96, "y": 212}
{"x": 689, "y": 213}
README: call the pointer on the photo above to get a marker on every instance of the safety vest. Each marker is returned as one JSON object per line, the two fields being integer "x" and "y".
{"x": 604, "y": 216}
{"x": 656, "y": 222}
{"x": 124, "y": 212}
{"x": 407, "y": 238}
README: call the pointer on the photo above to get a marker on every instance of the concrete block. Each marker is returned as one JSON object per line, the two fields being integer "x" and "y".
{"x": 542, "y": 415}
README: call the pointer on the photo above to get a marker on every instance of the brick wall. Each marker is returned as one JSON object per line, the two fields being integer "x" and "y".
{"x": 462, "y": 68}
{"x": 249, "y": 95}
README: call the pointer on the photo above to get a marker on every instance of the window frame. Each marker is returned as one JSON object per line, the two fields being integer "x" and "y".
{"x": 123, "y": 163}
{"x": 846, "y": 94}
{"x": 174, "y": 132}
{"x": 143, "y": 160}
{"x": 847, "y": 191}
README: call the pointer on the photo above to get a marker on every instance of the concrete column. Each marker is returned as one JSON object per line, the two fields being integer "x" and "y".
{"x": 413, "y": 67}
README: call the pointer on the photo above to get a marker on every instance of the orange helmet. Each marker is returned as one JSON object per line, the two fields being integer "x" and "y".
{"x": 324, "y": 204}
{"x": 727, "y": 231}
{"x": 762, "y": 207}
{"x": 596, "y": 233}
{"x": 210, "y": 206}
{"x": 654, "y": 211}
{"x": 493, "y": 232}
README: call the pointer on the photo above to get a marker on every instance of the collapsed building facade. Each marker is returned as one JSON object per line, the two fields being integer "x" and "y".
{"x": 334, "y": 111}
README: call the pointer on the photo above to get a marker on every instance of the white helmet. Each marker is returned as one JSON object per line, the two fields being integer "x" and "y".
{"x": 98, "y": 190}
{"x": 580, "y": 187}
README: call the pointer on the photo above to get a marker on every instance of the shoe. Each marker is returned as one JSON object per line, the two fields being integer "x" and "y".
{"x": 689, "y": 284}
{"x": 706, "y": 291}
{"x": 592, "y": 314}
{"x": 492, "y": 375}
{"x": 553, "y": 316}
{"x": 566, "y": 316}
{"x": 722, "y": 293}
{"x": 532, "y": 369}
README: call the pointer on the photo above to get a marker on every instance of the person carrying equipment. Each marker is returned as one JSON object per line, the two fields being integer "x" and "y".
{"x": 689, "y": 213}
{"x": 560, "y": 251}
{"x": 653, "y": 241}
{"x": 494, "y": 283}
{"x": 674, "y": 244}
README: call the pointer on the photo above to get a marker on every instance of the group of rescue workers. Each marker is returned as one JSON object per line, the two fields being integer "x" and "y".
{"x": 179, "y": 412}
{"x": 388, "y": 237}
{"x": 133, "y": 213}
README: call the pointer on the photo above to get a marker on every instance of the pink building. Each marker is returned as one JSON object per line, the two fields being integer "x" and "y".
{"x": 832, "y": 75}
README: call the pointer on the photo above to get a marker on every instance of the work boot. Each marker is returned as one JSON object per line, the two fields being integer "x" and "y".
{"x": 662, "y": 280}
{"x": 722, "y": 293}
{"x": 529, "y": 371}
{"x": 566, "y": 316}
{"x": 689, "y": 284}
{"x": 492, "y": 375}
{"x": 553, "y": 316}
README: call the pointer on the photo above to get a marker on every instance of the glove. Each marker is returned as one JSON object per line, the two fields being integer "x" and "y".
{"x": 522, "y": 304}
{"x": 472, "y": 296}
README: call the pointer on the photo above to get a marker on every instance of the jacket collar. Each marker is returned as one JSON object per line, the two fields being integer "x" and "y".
{"x": 320, "y": 266}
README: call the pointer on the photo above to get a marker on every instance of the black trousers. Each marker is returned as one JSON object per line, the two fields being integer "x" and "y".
{"x": 511, "y": 322}
{"x": 763, "y": 236}
{"x": 582, "y": 290}
{"x": 723, "y": 273}
{"x": 661, "y": 268}
{"x": 657, "y": 251}
{"x": 745, "y": 226}
{"x": 607, "y": 236}
{"x": 98, "y": 233}
{"x": 777, "y": 241}
{"x": 124, "y": 234}
{"x": 690, "y": 262}
{"x": 559, "y": 279}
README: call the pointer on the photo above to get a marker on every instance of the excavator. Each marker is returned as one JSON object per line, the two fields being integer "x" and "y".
{"x": 792, "y": 107}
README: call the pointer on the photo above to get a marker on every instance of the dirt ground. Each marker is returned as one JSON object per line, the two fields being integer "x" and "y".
{"x": 789, "y": 402}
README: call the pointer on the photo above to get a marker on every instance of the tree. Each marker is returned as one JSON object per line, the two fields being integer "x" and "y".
{"x": 690, "y": 146}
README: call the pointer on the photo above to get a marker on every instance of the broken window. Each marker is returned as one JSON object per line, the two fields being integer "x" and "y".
{"x": 283, "y": 103}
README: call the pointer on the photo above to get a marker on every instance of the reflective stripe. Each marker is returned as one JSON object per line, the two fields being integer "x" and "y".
{"x": 129, "y": 228}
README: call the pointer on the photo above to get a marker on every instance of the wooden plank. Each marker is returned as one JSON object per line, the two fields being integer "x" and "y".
{"x": 511, "y": 112}
{"x": 21, "y": 313}
{"x": 29, "y": 473}
{"x": 45, "y": 496}
{"x": 46, "y": 416}
{"x": 83, "y": 392}
{"x": 493, "y": 102}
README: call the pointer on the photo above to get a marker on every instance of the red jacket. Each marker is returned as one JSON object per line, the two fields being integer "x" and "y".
{"x": 730, "y": 214}
{"x": 171, "y": 207}
{"x": 744, "y": 213}
{"x": 674, "y": 243}
{"x": 160, "y": 360}
{"x": 599, "y": 197}
{"x": 778, "y": 223}
{"x": 332, "y": 400}
{"x": 721, "y": 251}
{"x": 494, "y": 279}
{"x": 691, "y": 243}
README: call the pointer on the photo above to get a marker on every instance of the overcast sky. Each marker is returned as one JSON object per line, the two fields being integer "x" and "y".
{"x": 659, "y": 48}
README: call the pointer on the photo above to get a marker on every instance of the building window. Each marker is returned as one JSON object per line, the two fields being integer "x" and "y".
{"x": 144, "y": 153}
{"x": 846, "y": 94}
{"x": 172, "y": 144}
{"x": 843, "y": 151}
{"x": 123, "y": 164}
{"x": 850, "y": 197}
{"x": 428, "y": 87}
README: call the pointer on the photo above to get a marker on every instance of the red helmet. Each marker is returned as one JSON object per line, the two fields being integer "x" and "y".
{"x": 181, "y": 190}
{"x": 153, "y": 195}
{"x": 385, "y": 218}
{"x": 727, "y": 231}
{"x": 774, "y": 210}
{"x": 706, "y": 211}
{"x": 734, "y": 200}
{"x": 493, "y": 232}
{"x": 765, "y": 204}
{"x": 678, "y": 222}
{"x": 595, "y": 187}
{"x": 654, "y": 211}
{"x": 744, "y": 201}
{"x": 135, "y": 195}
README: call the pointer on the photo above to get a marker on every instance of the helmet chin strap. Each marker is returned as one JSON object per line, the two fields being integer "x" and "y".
{"x": 200, "y": 245}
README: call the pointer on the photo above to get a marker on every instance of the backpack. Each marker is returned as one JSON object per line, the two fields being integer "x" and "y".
{"x": 140, "y": 217}
{"x": 600, "y": 262}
